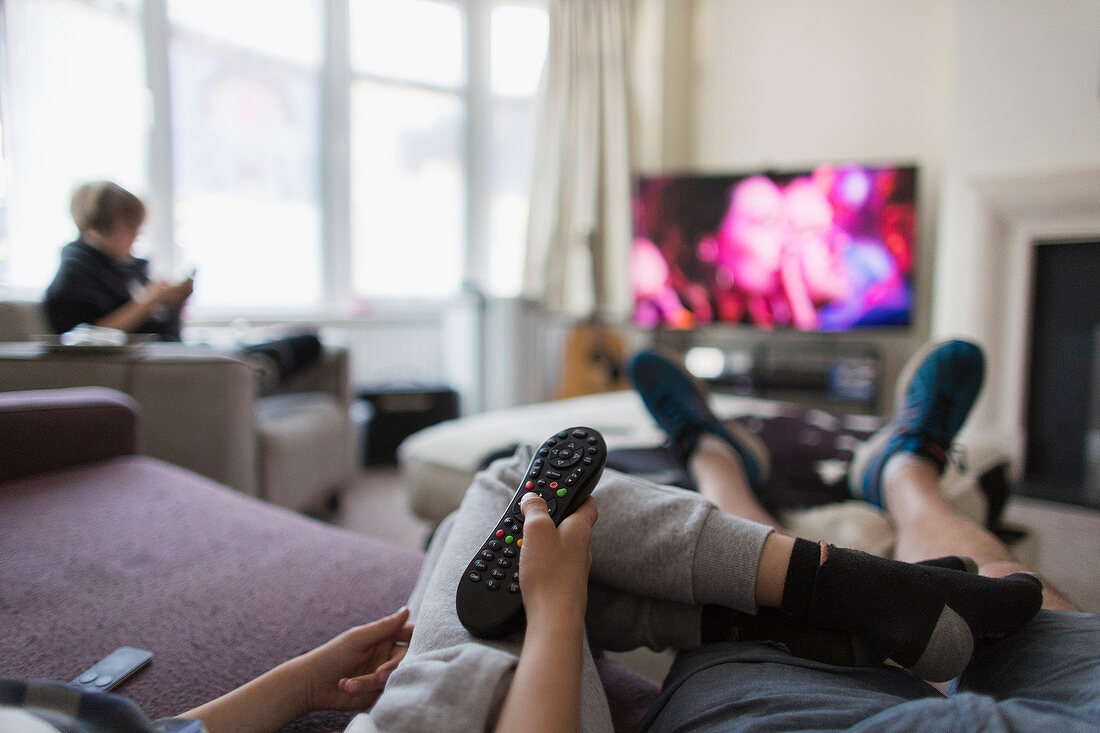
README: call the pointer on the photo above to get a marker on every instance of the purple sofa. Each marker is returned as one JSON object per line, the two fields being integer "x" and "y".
{"x": 101, "y": 548}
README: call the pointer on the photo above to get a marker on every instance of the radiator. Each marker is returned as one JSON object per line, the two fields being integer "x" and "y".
{"x": 384, "y": 349}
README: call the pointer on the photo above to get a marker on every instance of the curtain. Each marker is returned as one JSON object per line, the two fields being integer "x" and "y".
{"x": 579, "y": 227}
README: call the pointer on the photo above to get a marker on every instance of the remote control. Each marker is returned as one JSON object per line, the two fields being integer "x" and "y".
{"x": 563, "y": 471}
{"x": 111, "y": 671}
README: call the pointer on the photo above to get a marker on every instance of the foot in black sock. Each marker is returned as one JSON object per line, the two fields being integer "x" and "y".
{"x": 801, "y": 638}
{"x": 925, "y": 617}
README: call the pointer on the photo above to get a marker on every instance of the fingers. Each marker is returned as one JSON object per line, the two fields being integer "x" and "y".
{"x": 374, "y": 681}
{"x": 385, "y": 627}
{"x": 532, "y": 505}
{"x": 587, "y": 513}
{"x": 536, "y": 518}
{"x": 365, "y": 683}
{"x": 577, "y": 527}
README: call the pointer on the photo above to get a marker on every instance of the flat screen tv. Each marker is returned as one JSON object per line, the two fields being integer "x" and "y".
{"x": 827, "y": 249}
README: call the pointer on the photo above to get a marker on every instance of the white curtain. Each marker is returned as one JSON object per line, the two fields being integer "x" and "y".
{"x": 579, "y": 231}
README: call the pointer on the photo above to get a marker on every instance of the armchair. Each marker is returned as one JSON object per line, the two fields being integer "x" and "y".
{"x": 201, "y": 409}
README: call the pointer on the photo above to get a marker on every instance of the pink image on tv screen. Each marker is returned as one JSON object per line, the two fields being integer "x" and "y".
{"x": 830, "y": 249}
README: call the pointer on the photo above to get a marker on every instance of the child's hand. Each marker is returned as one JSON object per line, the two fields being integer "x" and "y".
{"x": 349, "y": 672}
{"x": 554, "y": 561}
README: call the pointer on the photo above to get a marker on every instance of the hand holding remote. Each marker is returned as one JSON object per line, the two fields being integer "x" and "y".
{"x": 554, "y": 562}
{"x": 563, "y": 472}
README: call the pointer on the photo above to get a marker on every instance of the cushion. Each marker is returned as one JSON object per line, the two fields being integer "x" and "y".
{"x": 305, "y": 447}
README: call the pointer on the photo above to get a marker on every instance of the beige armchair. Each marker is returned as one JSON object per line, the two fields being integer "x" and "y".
{"x": 201, "y": 411}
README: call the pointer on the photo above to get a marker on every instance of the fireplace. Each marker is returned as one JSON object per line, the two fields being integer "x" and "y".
{"x": 1063, "y": 374}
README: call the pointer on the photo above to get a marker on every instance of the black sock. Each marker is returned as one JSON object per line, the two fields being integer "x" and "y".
{"x": 802, "y": 639}
{"x": 925, "y": 617}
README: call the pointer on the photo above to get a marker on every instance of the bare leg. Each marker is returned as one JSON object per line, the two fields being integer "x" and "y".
{"x": 720, "y": 477}
{"x": 927, "y": 526}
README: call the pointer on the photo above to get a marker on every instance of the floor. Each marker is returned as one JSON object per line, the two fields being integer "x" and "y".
{"x": 1069, "y": 541}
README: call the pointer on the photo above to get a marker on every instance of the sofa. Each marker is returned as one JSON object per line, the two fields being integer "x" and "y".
{"x": 202, "y": 407}
{"x": 101, "y": 547}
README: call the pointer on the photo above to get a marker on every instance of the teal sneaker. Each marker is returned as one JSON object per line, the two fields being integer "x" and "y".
{"x": 679, "y": 406}
{"x": 936, "y": 391}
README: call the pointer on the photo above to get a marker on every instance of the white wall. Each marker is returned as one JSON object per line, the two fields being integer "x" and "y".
{"x": 795, "y": 81}
{"x": 1026, "y": 99}
{"x": 1027, "y": 85}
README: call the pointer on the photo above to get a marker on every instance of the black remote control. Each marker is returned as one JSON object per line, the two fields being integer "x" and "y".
{"x": 564, "y": 470}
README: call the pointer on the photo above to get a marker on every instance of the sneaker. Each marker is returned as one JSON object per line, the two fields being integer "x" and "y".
{"x": 935, "y": 392}
{"x": 679, "y": 405}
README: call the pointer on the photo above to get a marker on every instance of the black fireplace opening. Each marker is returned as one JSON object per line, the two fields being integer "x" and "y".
{"x": 1062, "y": 458}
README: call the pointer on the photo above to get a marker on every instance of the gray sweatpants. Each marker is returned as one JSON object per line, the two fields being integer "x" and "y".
{"x": 658, "y": 555}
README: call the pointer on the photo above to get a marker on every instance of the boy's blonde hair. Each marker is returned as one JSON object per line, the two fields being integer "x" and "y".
{"x": 99, "y": 206}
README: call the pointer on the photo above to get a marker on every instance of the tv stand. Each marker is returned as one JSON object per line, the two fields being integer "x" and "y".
{"x": 840, "y": 377}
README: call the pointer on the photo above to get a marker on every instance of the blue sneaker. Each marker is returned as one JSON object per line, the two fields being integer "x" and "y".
{"x": 936, "y": 390}
{"x": 679, "y": 406}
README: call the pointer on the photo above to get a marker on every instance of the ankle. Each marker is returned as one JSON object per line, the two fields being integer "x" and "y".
{"x": 909, "y": 481}
{"x": 771, "y": 574}
{"x": 709, "y": 443}
{"x": 711, "y": 453}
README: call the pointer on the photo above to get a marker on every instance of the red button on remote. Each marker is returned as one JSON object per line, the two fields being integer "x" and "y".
{"x": 500, "y": 533}
{"x": 530, "y": 486}
{"x": 553, "y": 484}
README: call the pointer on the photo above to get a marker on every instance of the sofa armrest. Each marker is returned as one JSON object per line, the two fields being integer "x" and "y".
{"x": 198, "y": 407}
{"x": 50, "y": 429}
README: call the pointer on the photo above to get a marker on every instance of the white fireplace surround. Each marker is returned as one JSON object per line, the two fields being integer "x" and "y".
{"x": 1006, "y": 217}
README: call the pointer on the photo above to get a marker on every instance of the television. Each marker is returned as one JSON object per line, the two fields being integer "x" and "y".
{"x": 830, "y": 248}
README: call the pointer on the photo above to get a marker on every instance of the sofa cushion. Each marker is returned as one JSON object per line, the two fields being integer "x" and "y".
{"x": 305, "y": 447}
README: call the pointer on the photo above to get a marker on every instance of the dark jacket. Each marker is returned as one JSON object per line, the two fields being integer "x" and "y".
{"x": 90, "y": 285}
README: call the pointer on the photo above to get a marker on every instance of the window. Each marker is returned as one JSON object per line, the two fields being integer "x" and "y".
{"x": 235, "y": 147}
{"x": 519, "y": 36}
{"x": 74, "y": 108}
{"x": 408, "y": 197}
{"x": 245, "y": 148}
